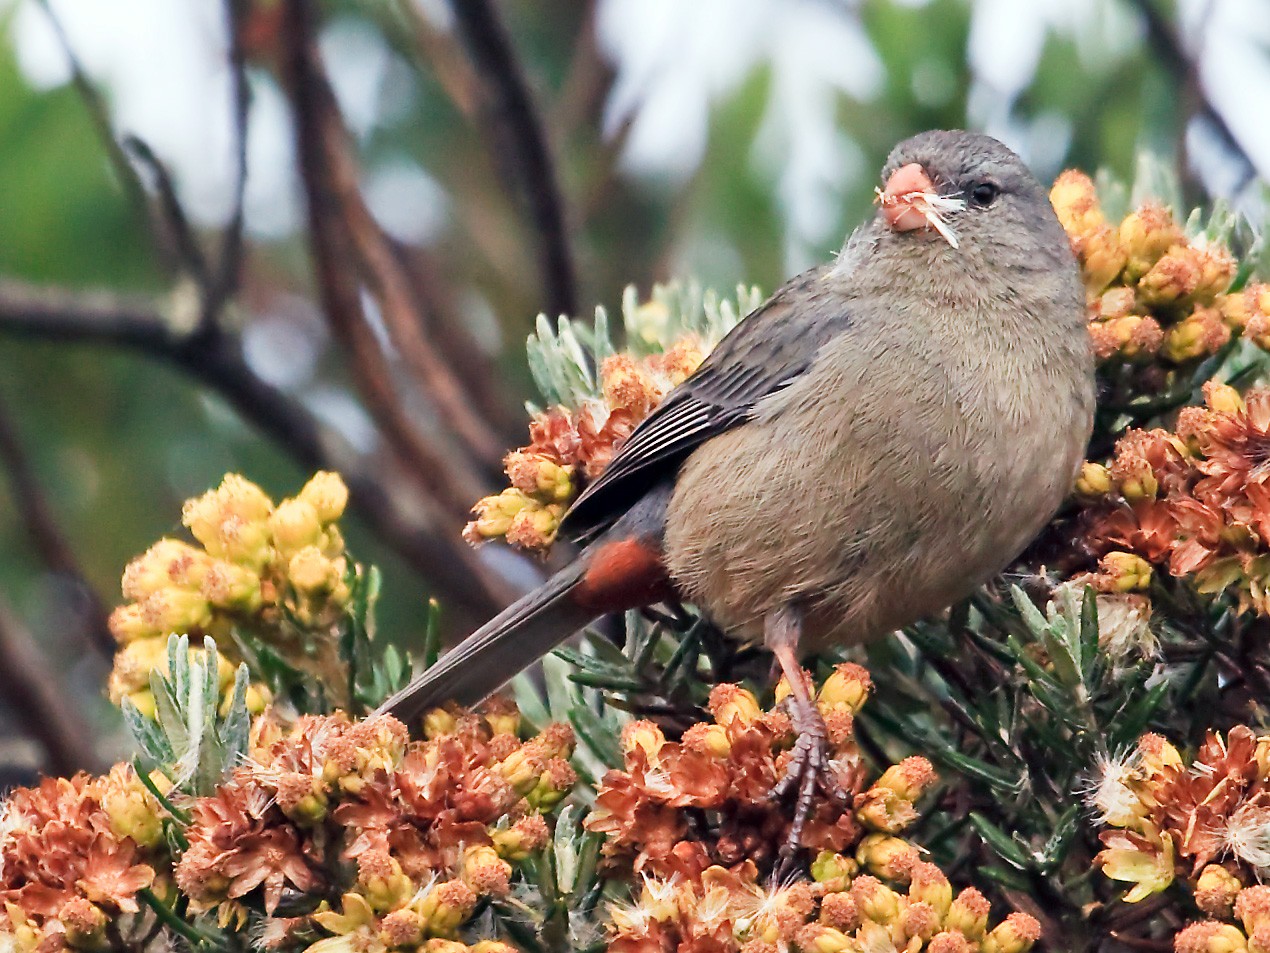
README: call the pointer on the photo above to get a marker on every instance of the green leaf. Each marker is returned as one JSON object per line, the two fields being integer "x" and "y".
{"x": 1001, "y": 843}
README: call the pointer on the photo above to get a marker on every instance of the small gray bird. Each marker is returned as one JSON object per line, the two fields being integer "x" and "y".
{"x": 879, "y": 438}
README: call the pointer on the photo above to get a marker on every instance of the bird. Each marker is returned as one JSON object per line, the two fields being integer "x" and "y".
{"x": 880, "y": 437}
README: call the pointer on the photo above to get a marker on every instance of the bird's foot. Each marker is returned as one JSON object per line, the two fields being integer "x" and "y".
{"x": 809, "y": 770}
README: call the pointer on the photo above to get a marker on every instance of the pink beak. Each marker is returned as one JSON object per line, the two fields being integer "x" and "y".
{"x": 896, "y": 200}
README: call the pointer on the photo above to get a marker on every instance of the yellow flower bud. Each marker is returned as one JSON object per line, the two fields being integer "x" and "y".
{"x": 1146, "y": 234}
{"x": 133, "y": 664}
{"x": 849, "y": 686}
{"x": 731, "y": 703}
{"x": 886, "y": 856}
{"x": 438, "y": 722}
{"x": 1015, "y": 934}
{"x": 709, "y": 738}
{"x": 313, "y": 573}
{"x": 537, "y": 475}
{"x": 1076, "y": 203}
{"x": 494, "y": 515}
{"x": 1223, "y": 398}
{"x": 85, "y": 925}
{"x": 1216, "y": 890}
{"x": 382, "y": 881}
{"x": 1102, "y": 257}
{"x": 502, "y": 716}
{"x": 1139, "y": 485}
{"x": 167, "y": 564}
{"x": 230, "y": 520}
{"x": 132, "y": 810}
{"x": 818, "y": 938}
{"x": 176, "y": 611}
{"x": 1209, "y": 936}
{"x": 1198, "y": 335}
{"x": 259, "y": 697}
{"x": 930, "y": 886}
{"x": 909, "y": 779}
{"x": 127, "y": 624}
{"x": 875, "y": 900}
{"x": 968, "y": 914}
{"x": 832, "y": 870}
{"x": 1252, "y": 907}
{"x": 446, "y": 906}
{"x": 327, "y": 494}
{"x": 1127, "y": 571}
{"x": 402, "y": 929}
{"x": 227, "y": 585}
{"x": 645, "y": 736}
{"x": 534, "y": 526}
{"x": 1094, "y": 480}
{"x": 521, "y": 839}
{"x": 294, "y": 525}
{"x": 486, "y": 872}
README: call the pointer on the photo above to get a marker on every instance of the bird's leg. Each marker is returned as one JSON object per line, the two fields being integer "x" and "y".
{"x": 809, "y": 767}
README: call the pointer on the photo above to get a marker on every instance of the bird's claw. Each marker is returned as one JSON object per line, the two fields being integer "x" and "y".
{"x": 809, "y": 770}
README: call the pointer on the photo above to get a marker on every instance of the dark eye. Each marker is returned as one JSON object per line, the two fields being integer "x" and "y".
{"x": 984, "y": 194}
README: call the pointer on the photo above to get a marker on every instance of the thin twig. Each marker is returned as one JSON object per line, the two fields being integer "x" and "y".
{"x": 40, "y": 701}
{"x": 47, "y": 536}
{"x": 327, "y": 181}
{"x": 215, "y": 359}
{"x": 520, "y": 146}
{"x": 99, "y": 115}
{"x": 224, "y": 281}
{"x": 189, "y": 253}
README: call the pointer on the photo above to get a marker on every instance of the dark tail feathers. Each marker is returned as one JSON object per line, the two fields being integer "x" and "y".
{"x": 498, "y": 650}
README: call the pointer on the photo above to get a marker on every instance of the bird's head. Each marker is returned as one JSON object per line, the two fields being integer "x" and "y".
{"x": 962, "y": 189}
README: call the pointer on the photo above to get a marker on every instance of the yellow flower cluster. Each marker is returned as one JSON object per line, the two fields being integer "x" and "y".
{"x": 729, "y": 909}
{"x": 569, "y": 445}
{"x": 278, "y": 572}
{"x": 1151, "y": 289}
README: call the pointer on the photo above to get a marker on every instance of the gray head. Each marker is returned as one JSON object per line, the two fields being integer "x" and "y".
{"x": 965, "y": 195}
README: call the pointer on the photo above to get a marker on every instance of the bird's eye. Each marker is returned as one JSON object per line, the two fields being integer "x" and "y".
{"x": 984, "y": 194}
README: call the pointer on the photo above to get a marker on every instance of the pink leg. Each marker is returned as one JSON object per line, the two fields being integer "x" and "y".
{"x": 809, "y": 767}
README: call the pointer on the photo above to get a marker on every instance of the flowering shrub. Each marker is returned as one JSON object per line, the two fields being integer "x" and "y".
{"x": 1003, "y": 778}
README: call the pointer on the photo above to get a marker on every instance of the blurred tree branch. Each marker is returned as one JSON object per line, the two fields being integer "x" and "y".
{"x": 344, "y": 232}
{"x": 38, "y": 701}
{"x": 518, "y": 144}
{"x": 1171, "y": 53}
{"x": 214, "y": 357}
{"x": 47, "y": 537}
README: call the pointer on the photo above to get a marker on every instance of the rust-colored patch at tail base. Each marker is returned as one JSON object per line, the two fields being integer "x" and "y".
{"x": 623, "y": 574}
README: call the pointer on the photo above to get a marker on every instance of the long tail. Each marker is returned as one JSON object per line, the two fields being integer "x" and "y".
{"x": 498, "y": 650}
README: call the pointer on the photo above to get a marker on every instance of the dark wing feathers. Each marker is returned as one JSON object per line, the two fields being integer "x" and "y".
{"x": 761, "y": 355}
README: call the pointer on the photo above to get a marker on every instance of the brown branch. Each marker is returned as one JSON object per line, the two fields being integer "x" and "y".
{"x": 1171, "y": 54}
{"x": 215, "y": 359}
{"x": 39, "y": 701}
{"x": 47, "y": 536}
{"x": 340, "y": 223}
{"x": 224, "y": 280}
{"x": 519, "y": 146}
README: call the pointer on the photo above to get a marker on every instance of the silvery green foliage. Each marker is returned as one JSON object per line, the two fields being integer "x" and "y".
{"x": 189, "y": 740}
{"x": 563, "y": 360}
{"x": 1155, "y": 179}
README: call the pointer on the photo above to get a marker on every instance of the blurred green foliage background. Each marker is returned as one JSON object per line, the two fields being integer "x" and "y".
{"x": 734, "y": 140}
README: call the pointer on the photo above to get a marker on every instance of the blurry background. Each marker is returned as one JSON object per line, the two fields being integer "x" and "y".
{"x": 422, "y": 178}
